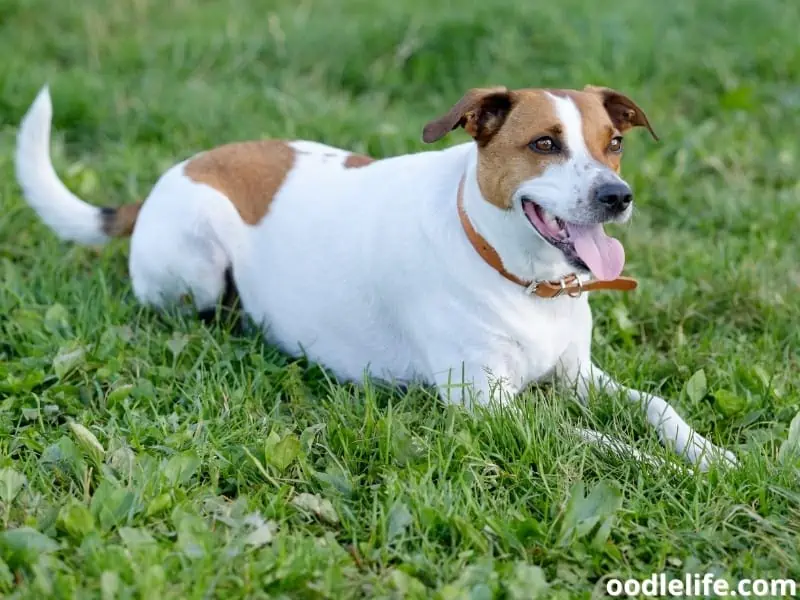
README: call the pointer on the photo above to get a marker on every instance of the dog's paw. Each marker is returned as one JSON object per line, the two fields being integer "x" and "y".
{"x": 703, "y": 454}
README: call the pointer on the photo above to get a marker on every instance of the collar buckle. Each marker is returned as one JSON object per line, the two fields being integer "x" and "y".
{"x": 568, "y": 280}
{"x": 562, "y": 287}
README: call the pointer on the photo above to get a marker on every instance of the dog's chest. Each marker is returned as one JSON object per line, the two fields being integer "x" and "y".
{"x": 541, "y": 333}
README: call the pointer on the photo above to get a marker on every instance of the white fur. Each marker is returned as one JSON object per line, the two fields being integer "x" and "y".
{"x": 368, "y": 270}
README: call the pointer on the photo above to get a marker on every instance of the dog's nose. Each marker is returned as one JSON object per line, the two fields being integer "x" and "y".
{"x": 616, "y": 196}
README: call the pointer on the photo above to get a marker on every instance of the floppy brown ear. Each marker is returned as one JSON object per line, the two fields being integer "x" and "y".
{"x": 624, "y": 112}
{"x": 481, "y": 112}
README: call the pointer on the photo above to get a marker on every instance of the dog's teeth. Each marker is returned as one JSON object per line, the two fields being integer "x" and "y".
{"x": 550, "y": 219}
{"x": 555, "y": 224}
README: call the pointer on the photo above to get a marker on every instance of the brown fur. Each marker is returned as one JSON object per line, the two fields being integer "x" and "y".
{"x": 505, "y": 161}
{"x": 248, "y": 173}
{"x": 119, "y": 222}
{"x": 355, "y": 161}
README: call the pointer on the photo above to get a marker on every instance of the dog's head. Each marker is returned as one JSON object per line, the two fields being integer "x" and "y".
{"x": 551, "y": 158}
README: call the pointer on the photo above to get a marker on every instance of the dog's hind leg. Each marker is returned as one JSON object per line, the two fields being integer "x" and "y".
{"x": 185, "y": 245}
{"x": 169, "y": 270}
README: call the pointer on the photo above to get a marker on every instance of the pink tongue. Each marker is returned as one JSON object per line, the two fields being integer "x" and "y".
{"x": 604, "y": 255}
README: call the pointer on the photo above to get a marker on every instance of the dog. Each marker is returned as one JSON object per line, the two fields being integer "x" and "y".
{"x": 466, "y": 268}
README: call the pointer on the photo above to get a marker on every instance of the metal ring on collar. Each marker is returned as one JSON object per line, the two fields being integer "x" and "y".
{"x": 580, "y": 289}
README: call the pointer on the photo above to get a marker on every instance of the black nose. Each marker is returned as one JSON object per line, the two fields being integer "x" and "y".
{"x": 616, "y": 196}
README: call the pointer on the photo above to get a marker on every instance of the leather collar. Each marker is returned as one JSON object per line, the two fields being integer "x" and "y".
{"x": 570, "y": 285}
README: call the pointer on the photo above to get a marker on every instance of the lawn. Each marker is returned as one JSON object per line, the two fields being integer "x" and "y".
{"x": 154, "y": 456}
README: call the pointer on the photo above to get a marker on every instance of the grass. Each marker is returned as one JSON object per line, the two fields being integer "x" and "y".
{"x": 148, "y": 456}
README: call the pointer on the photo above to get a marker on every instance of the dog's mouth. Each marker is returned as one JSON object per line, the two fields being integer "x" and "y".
{"x": 586, "y": 247}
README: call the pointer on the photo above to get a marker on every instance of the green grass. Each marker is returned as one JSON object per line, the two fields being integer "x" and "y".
{"x": 214, "y": 466}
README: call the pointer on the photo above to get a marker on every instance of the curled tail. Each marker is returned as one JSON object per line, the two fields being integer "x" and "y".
{"x": 67, "y": 215}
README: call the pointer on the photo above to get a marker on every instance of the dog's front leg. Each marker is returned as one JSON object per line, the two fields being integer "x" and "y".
{"x": 672, "y": 429}
{"x": 472, "y": 384}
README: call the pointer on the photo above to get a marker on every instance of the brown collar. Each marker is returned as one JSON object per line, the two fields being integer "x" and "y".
{"x": 570, "y": 285}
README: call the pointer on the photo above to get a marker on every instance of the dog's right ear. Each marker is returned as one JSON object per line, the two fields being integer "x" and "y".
{"x": 481, "y": 112}
{"x": 624, "y": 112}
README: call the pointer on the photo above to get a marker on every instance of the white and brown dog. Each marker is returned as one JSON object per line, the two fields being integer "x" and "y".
{"x": 463, "y": 267}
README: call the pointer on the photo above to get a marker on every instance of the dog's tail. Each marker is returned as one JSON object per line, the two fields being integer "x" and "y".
{"x": 67, "y": 215}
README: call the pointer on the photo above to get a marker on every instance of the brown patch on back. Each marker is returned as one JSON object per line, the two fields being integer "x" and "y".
{"x": 120, "y": 221}
{"x": 250, "y": 174}
{"x": 356, "y": 161}
{"x": 505, "y": 161}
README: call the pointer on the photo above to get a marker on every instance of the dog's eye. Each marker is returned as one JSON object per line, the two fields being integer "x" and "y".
{"x": 544, "y": 145}
{"x": 615, "y": 145}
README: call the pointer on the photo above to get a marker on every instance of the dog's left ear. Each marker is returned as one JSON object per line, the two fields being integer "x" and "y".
{"x": 624, "y": 112}
{"x": 481, "y": 112}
